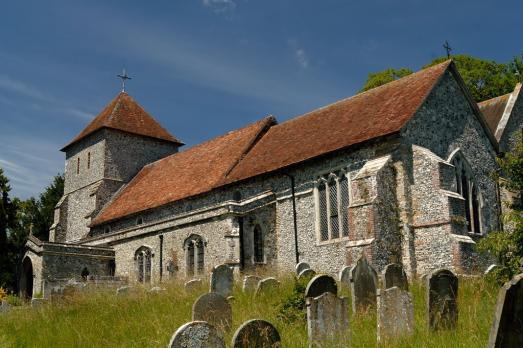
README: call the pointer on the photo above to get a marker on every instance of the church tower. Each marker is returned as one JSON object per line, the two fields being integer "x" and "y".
{"x": 107, "y": 154}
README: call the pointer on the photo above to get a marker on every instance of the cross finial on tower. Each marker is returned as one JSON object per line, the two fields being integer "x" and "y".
{"x": 447, "y": 48}
{"x": 124, "y": 77}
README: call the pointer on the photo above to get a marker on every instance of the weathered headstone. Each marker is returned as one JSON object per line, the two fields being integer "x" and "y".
{"x": 301, "y": 266}
{"x": 363, "y": 283}
{"x": 442, "y": 293}
{"x": 266, "y": 286}
{"x": 491, "y": 268}
{"x": 507, "y": 328}
{"x": 250, "y": 283}
{"x": 157, "y": 290}
{"x": 306, "y": 274}
{"x": 256, "y": 333}
{"x": 196, "y": 334}
{"x": 327, "y": 319}
{"x": 125, "y": 290}
{"x": 344, "y": 276}
{"x": 222, "y": 279}
{"x": 4, "y": 307}
{"x": 193, "y": 285}
{"x": 214, "y": 309}
{"x": 395, "y": 313}
{"x": 320, "y": 284}
{"x": 394, "y": 275}
{"x": 37, "y": 302}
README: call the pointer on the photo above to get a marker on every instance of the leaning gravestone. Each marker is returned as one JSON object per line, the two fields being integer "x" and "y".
{"x": 321, "y": 284}
{"x": 266, "y": 286}
{"x": 250, "y": 283}
{"x": 196, "y": 334}
{"x": 507, "y": 328}
{"x": 344, "y": 276}
{"x": 222, "y": 280}
{"x": 193, "y": 285}
{"x": 395, "y": 313}
{"x": 256, "y": 333}
{"x": 301, "y": 266}
{"x": 327, "y": 319}
{"x": 363, "y": 282}
{"x": 394, "y": 275}
{"x": 306, "y": 274}
{"x": 442, "y": 292}
{"x": 214, "y": 309}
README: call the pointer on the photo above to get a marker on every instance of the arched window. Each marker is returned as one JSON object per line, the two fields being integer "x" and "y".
{"x": 468, "y": 189}
{"x": 194, "y": 247}
{"x": 143, "y": 260}
{"x": 322, "y": 199}
{"x": 332, "y": 206}
{"x": 344, "y": 205}
{"x": 258, "y": 244}
{"x": 333, "y": 209}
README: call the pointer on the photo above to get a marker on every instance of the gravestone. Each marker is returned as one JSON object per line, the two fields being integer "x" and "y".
{"x": 4, "y": 307}
{"x": 37, "y": 302}
{"x": 250, "y": 283}
{"x": 301, "y": 266}
{"x": 196, "y": 334}
{"x": 222, "y": 280}
{"x": 306, "y": 274}
{"x": 491, "y": 268}
{"x": 256, "y": 333}
{"x": 266, "y": 286}
{"x": 193, "y": 285}
{"x": 214, "y": 309}
{"x": 157, "y": 290}
{"x": 442, "y": 292}
{"x": 125, "y": 290}
{"x": 344, "y": 276}
{"x": 507, "y": 328}
{"x": 327, "y": 319}
{"x": 363, "y": 283}
{"x": 320, "y": 284}
{"x": 395, "y": 313}
{"x": 394, "y": 275}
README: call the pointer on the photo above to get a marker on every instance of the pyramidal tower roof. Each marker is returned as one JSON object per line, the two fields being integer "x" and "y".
{"x": 125, "y": 114}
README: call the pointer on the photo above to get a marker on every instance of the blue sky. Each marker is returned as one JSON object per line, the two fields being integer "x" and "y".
{"x": 204, "y": 67}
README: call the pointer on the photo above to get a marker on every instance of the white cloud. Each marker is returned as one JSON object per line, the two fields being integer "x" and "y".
{"x": 220, "y": 6}
{"x": 300, "y": 55}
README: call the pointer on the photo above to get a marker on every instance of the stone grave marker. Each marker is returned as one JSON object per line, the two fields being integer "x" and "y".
{"x": 442, "y": 292}
{"x": 193, "y": 285}
{"x": 125, "y": 290}
{"x": 363, "y": 283}
{"x": 214, "y": 309}
{"x": 256, "y": 333}
{"x": 394, "y": 275}
{"x": 267, "y": 285}
{"x": 395, "y": 313}
{"x": 491, "y": 268}
{"x": 157, "y": 290}
{"x": 4, "y": 307}
{"x": 250, "y": 283}
{"x": 301, "y": 266}
{"x": 344, "y": 276}
{"x": 196, "y": 334}
{"x": 327, "y": 318}
{"x": 507, "y": 328}
{"x": 306, "y": 274}
{"x": 320, "y": 284}
{"x": 222, "y": 279}
{"x": 37, "y": 302}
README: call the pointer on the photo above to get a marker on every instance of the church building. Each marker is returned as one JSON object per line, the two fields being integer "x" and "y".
{"x": 399, "y": 173}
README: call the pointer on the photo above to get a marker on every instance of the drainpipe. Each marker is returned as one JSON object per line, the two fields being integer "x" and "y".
{"x": 161, "y": 257}
{"x": 296, "y": 249}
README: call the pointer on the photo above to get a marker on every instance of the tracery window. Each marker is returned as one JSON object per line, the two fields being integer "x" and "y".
{"x": 468, "y": 189}
{"x": 332, "y": 202}
{"x": 194, "y": 247}
{"x": 258, "y": 244}
{"x": 143, "y": 261}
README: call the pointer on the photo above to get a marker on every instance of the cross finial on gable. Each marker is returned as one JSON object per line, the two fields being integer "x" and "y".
{"x": 447, "y": 48}
{"x": 124, "y": 77}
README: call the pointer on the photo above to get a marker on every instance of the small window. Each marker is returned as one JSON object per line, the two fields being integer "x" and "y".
{"x": 88, "y": 160}
{"x": 139, "y": 220}
{"x": 143, "y": 261}
{"x": 107, "y": 229}
{"x": 237, "y": 196}
{"x": 194, "y": 247}
{"x": 78, "y": 165}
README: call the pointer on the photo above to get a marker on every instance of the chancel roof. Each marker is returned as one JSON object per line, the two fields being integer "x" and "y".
{"x": 266, "y": 146}
{"x": 123, "y": 113}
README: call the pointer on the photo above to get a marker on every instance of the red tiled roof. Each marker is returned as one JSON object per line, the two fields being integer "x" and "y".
{"x": 374, "y": 113}
{"x": 184, "y": 174}
{"x": 124, "y": 113}
{"x": 493, "y": 110}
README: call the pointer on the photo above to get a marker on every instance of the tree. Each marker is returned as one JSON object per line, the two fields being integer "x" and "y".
{"x": 485, "y": 79}
{"x": 383, "y": 77}
{"x": 46, "y": 204}
{"x": 7, "y": 223}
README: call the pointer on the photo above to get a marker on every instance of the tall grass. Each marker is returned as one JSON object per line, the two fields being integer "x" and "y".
{"x": 100, "y": 318}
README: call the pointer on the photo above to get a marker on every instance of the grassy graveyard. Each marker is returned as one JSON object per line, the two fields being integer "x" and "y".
{"x": 142, "y": 319}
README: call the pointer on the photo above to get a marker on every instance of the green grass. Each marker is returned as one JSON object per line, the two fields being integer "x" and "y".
{"x": 101, "y": 319}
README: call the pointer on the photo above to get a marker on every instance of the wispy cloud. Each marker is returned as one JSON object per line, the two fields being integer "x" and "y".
{"x": 300, "y": 55}
{"x": 220, "y": 6}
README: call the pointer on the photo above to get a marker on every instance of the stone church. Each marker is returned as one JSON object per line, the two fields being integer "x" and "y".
{"x": 400, "y": 173}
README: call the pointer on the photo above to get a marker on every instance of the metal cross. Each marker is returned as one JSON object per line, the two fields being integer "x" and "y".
{"x": 447, "y": 47}
{"x": 124, "y": 77}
